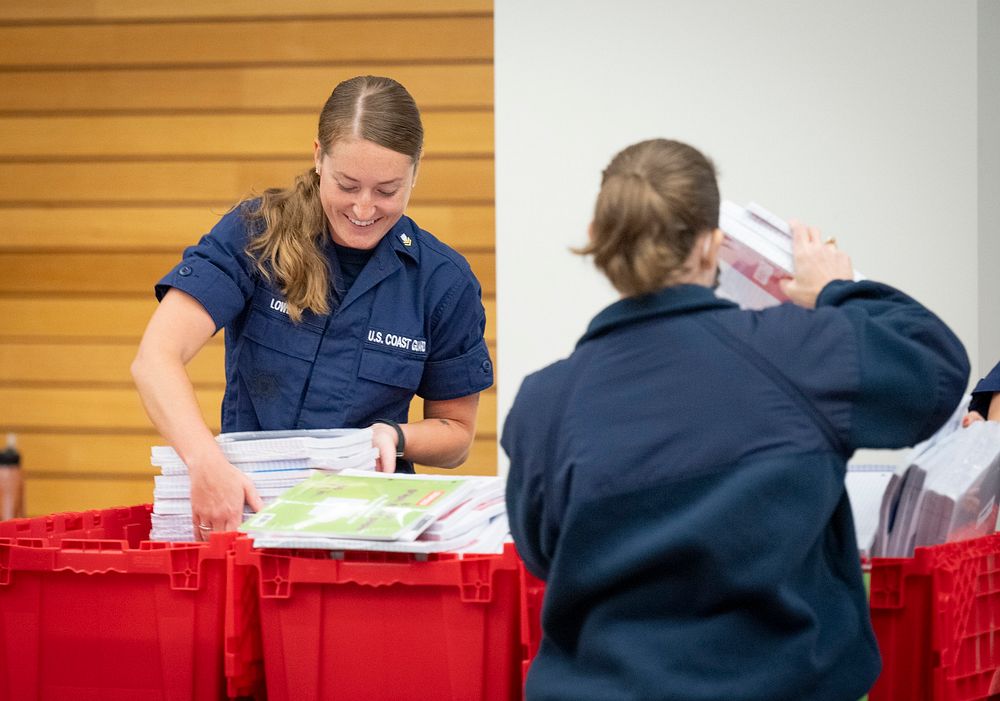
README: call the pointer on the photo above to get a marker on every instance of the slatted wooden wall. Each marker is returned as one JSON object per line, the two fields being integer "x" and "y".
{"x": 127, "y": 128}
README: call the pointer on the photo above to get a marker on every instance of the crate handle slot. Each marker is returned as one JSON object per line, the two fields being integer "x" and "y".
{"x": 185, "y": 568}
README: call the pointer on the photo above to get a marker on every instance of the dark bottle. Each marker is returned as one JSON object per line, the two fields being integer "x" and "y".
{"x": 11, "y": 481}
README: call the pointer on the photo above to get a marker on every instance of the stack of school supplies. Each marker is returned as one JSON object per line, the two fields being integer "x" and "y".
{"x": 949, "y": 491}
{"x": 866, "y": 484}
{"x": 755, "y": 256}
{"x": 274, "y": 460}
{"x": 356, "y": 510}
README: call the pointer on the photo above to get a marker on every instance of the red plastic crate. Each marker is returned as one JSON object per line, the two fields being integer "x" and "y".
{"x": 89, "y": 610}
{"x": 126, "y": 523}
{"x": 382, "y": 626}
{"x": 532, "y": 594}
{"x": 937, "y": 619}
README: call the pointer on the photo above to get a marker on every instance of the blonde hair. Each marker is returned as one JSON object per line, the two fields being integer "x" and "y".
{"x": 656, "y": 198}
{"x": 288, "y": 250}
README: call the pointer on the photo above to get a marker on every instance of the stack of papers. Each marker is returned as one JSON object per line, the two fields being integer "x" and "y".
{"x": 274, "y": 460}
{"x": 866, "y": 484}
{"x": 948, "y": 492}
{"x": 755, "y": 256}
{"x": 357, "y": 510}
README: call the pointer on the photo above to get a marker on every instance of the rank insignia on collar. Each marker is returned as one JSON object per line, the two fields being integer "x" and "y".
{"x": 407, "y": 241}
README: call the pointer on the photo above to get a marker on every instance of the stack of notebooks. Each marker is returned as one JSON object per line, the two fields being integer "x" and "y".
{"x": 358, "y": 510}
{"x": 756, "y": 254}
{"x": 948, "y": 491}
{"x": 274, "y": 460}
{"x": 865, "y": 486}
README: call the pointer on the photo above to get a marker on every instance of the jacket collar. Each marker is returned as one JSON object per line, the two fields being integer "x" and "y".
{"x": 677, "y": 299}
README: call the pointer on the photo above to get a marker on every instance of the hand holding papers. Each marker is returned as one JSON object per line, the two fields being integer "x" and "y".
{"x": 274, "y": 461}
{"x": 755, "y": 256}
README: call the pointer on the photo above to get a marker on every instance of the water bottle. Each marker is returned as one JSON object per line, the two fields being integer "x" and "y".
{"x": 11, "y": 481}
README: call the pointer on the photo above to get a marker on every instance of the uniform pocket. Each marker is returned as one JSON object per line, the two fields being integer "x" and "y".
{"x": 295, "y": 340}
{"x": 386, "y": 384}
{"x": 389, "y": 369}
{"x": 275, "y": 362}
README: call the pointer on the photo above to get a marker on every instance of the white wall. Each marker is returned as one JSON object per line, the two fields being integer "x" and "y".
{"x": 857, "y": 117}
{"x": 989, "y": 184}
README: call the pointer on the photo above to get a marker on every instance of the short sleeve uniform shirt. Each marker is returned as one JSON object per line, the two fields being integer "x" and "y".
{"x": 411, "y": 323}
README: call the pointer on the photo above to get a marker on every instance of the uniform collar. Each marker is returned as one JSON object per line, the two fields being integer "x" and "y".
{"x": 678, "y": 299}
{"x": 402, "y": 231}
{"x": 386, "y": 258}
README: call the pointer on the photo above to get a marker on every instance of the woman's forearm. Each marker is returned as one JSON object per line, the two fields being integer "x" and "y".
{"x": 438, "y": 442}
{"x": 444, "y": 436}
{"x": 169, "y": 399}
{"x": 441, "y": 439}
{"x": 177, "y": 331}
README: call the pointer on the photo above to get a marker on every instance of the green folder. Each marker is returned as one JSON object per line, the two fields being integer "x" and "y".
{"x": 372, "y": 506}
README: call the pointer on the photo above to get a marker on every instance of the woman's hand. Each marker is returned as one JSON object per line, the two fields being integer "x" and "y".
{"x": 384, "y": 438}
{"x": 992, "y": 413}
{"x": 218, "y": 492}
{"x": 178, "y": 329}
{"x": 441, "y": 439}
{"x": 818, "y": 262}
{"x": 971, "y": 418}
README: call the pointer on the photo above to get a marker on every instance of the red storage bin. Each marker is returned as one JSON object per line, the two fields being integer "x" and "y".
{"x": 532, "y": 594}
{"x": 382, "y": 626}
{"x": 89, "y": 610}
{"x": 937, "y": 619}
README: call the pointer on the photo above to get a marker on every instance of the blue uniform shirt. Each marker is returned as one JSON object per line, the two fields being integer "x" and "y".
{"x": 411, "y": 323}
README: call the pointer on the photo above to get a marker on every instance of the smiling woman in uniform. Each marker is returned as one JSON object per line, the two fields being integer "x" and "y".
{"x": 338, "y": 309}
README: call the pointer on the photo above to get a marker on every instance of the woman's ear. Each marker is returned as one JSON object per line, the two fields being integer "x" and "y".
{"x": 710, "y": 248}
{"x": 317, "y": 154}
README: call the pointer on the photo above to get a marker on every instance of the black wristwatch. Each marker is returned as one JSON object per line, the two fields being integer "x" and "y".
{"x": 400, "y": 436}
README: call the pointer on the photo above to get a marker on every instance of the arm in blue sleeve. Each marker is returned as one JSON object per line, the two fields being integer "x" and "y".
{"x": 913, "y": 369}
{"x": 982, "y": 395}
{"x": 525, "y": 490}
{"x": 216, "y": 272}
{"x": 458, "y": 363}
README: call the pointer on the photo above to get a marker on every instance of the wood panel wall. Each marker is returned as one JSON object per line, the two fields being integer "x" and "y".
{"x": 128, "y": 128}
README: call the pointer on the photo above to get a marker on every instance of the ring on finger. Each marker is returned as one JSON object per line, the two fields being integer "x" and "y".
{"x": 830, "y": 241}
{"x": 204, "y": 527}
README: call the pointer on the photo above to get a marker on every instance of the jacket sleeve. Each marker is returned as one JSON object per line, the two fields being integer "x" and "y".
{"x": 982, "y": 395}
{"x": 525, "y": 489}
{"x": 532, "y": 438}
{"x": 913, "y": 369}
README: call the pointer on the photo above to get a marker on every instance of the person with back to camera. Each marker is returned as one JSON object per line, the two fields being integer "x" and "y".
{"x": 337, "y": 310}
{"x": 678, "y": 481}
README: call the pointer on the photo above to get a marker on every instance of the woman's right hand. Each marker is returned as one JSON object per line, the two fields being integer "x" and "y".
{"x": 818, "y": 262}
{"x": 218, "y": 492}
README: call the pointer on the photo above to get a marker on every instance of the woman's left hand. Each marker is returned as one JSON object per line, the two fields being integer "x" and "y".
{"x": 384, "y": 438}
{"x": 818, "y": 262}
{"x": 441, "y": 439}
